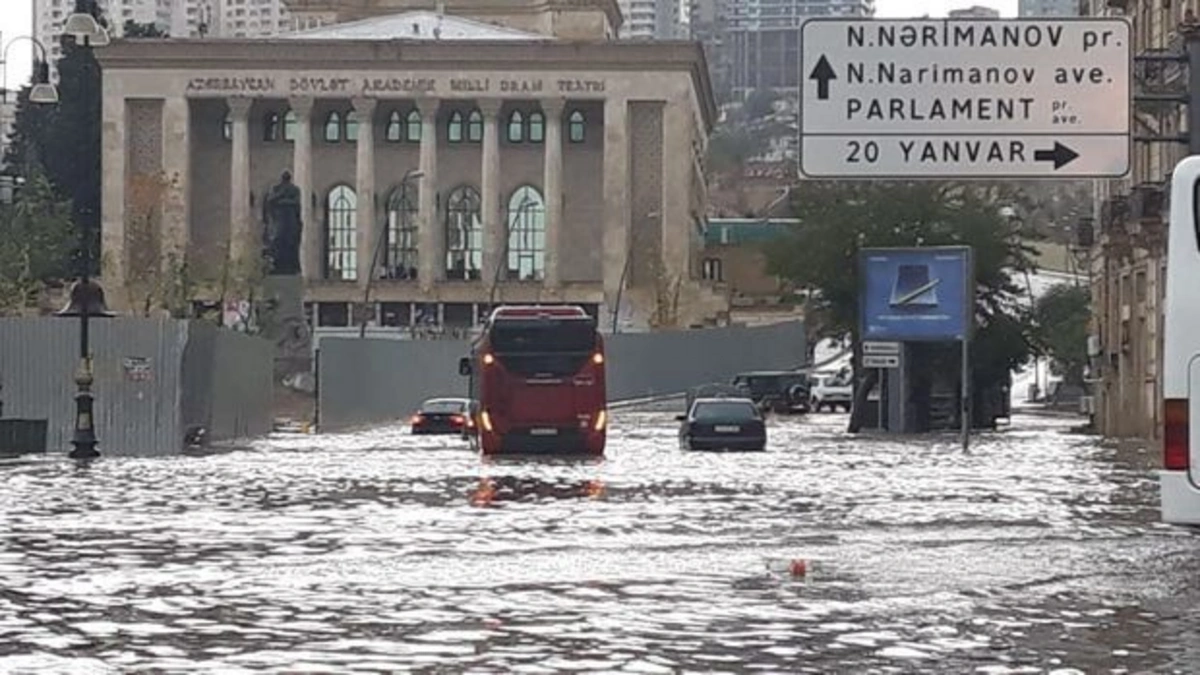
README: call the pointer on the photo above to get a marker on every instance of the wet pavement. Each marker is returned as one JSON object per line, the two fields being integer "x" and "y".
{"x": 1037, "y": 552}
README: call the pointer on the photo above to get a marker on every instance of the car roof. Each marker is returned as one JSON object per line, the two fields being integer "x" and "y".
{"x": 759, "y": 373}
{"x": 723, "y": 399}
{"x": 445, "y": 399}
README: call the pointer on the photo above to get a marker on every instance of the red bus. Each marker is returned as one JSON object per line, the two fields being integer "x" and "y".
{"x": 537, "y": 373}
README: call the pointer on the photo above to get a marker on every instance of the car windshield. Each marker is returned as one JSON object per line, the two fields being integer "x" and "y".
{"x": 725, "y": 410}
{"x": 444, "y": 406}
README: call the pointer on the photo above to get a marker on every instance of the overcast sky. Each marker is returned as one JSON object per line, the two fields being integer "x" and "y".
{"x": 16, "y": 19}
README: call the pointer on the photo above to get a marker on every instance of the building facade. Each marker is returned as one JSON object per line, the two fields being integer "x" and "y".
{"x": 651, "y": 20}
{"x": 1126, "y": 237}
{"x": 448, "y": 164}
{"x": 755, "y": 44}
{"x": 1038, "y": 8}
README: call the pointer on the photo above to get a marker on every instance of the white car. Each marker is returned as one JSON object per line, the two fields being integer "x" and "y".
{"x": 831, "y": 391}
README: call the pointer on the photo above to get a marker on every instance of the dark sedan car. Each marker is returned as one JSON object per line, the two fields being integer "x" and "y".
{"x": 443, "y": 416}
{"x": 723, "y": 424}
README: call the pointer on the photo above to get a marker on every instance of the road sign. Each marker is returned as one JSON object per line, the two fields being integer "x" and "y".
{"x": 880, "y": 361}
{"x": 952, "y": 98}
{"x": 881, "y": 347}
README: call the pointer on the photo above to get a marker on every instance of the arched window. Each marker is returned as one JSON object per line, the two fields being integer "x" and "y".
{"x": 537, "y": 127}
{"x": 516, "y": 127}
{"x": 414, "y": 127}
{"x": 333, "y": 127}
{"x": 526, "y": 234}
{"x": 401, "y": 259}
{"x": 464, "y": 234}
{"x": 351, "y": 126}
{"x": 341, "y": 234}
{"x": 271, "y": 127}
{"x": 227, "y": 128}
{"x": 289, "y": 125}
{"x": 576, "y": 126}
{"x": 713, "y": 269}
{"x": 393, "y": 128}
{"x": 475, "y": 127}
{"x": 454, "y": 128}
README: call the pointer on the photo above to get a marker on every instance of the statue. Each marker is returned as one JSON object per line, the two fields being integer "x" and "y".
{"x": 281, "y": 213}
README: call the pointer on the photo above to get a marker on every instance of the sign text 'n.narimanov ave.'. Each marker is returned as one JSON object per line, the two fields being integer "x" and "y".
{"x": 945, "y": 98}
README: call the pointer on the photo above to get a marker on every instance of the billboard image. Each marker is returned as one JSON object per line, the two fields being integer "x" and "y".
{"x": 916, "y": 294}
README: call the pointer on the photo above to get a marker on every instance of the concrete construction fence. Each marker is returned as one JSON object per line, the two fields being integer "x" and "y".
{"x": 376, "y": 380}
{"x": 154, "y": 379}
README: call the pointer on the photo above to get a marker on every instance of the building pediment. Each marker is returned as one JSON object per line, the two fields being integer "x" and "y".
{"x": 514, "y": 13}
{"x": 416, "y": 26}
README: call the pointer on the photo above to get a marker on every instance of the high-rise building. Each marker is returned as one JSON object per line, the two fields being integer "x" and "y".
{"x": 1036, "y": 8}
{"x": 755, "y": 44}
{"x": 179, "y": 18}
{"x": 650, "y": 19}
{"x": 974, "y": 12}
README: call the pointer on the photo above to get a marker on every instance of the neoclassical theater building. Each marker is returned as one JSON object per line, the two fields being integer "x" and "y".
{"x": 479, "y": 152}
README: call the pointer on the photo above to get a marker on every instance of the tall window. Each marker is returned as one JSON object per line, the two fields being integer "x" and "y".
{"x": 454, "y": 128}
{"x": 227, "y": 128}
{"x": 516, "y": 127}
{"x": 464, "y": 234}
{"x": 475, "y": 127}
{"x": 289, "y": 125}
{"x": 271, "y": 127}
{"x": 526, "y": 234}
{"x": 333, "y": 127}
{"x": 537, "y": 127}
{"x": 341, "y": 234}
{"x": 401, "y": 260}
{"x": 414, "y": 126}
{"x": 394, "y": 129}
{"x": 713, "y": 269}
{"x": 576, "y": 125}
{"x": 351, "y": 126}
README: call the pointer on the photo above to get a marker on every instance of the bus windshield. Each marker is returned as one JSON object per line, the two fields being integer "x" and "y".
{"x": 543, "y": 348}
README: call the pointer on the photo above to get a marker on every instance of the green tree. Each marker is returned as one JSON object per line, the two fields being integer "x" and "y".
{"x": 32, "y": 126}
{"x": 36, "y": 237}
{"x": 837, "y": 219}
{"x": 759, "y": 104}
{"x": 1061, "y": 316}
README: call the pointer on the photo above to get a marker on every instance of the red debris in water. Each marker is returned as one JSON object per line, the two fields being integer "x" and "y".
{"x": 799, "y": 568}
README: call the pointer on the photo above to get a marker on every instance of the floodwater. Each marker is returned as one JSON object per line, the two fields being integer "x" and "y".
{"x": 1037, "y": 552}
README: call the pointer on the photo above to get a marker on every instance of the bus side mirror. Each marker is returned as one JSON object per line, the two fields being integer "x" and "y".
{"x": 464, "y": 366}
{"x": 681, "y": 418}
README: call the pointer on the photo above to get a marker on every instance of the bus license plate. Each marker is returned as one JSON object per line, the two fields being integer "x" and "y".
{"x": 543, "y": 432}
{"x": 726, "y": 429}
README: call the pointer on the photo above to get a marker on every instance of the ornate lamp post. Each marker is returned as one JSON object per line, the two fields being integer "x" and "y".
{"x": 87, "y": 297}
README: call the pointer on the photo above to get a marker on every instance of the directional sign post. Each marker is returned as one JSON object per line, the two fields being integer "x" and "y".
{"x": 952, "y": 98}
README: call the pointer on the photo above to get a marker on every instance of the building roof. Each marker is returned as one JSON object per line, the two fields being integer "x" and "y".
{"x": 415, "y": 26}
{"x": 739, "y": 231}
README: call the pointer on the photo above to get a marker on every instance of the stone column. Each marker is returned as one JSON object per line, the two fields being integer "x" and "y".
{"x": 676, "y": 218}
{"x": 311, "y": 246}
{"x": 615, "y": 256}
{"x": 241, "y": 243}
{"x": 176, "y": 162}
{"x": 368, "y": 238}
{"x": 431, "y": 241}
{"x": 494, "y": 229}
{"x": 113, "y": 136}
{"x": 552, "y": 170}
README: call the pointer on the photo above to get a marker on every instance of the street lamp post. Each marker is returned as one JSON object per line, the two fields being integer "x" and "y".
{"x": 409, "y": 176}
{"x": 87, "y": 296}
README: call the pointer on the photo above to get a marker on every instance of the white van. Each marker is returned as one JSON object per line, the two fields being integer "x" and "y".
{"x": 1179, "y": 481}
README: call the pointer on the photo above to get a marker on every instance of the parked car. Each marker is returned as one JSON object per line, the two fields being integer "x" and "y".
{"x": 831, "y": 390}
{"x": 722, "y": 424}
{"x": 779, "y": 391}
{"x": 444, "y": 416}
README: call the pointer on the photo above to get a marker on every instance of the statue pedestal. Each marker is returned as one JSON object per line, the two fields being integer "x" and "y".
{"x": 283, "y": 322}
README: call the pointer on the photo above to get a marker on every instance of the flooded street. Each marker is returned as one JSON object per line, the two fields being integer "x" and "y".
{"x": 1037, "y": 552}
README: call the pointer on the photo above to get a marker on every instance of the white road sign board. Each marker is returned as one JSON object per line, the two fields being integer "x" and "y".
{"x": 953, "y": 98}
{"x": 880, "y": 361}
{"x": 869, "y": 347}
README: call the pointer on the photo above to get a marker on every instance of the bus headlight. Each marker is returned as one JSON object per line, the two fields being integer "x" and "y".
{"x": 601, "y": 420}
{"x": 486, "y": 420}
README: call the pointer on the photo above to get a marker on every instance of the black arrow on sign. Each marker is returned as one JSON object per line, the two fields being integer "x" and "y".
{"x": 823, "y": 73}
{"x": 1061, "y": 155}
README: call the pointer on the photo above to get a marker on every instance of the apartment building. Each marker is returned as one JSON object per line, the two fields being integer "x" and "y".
{"x": 1125, "y": 241}
{"x": 974, "y": 12}
{"x": 1032, "y": 9}
{"x": 651, "y": 20}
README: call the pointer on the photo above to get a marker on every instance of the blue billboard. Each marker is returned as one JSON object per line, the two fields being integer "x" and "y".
{"x": 916, "y": 294}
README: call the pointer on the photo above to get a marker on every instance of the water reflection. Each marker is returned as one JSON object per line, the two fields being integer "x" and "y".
{"x": 1036, "y": 552}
